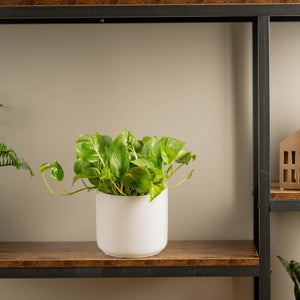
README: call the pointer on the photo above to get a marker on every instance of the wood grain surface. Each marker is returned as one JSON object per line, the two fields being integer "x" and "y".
{"x": 140, "y": 2}
{"x": 87, "y": 254}
{"x": 278, "y": 194}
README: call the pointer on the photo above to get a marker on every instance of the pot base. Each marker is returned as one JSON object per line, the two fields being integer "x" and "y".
{"x": 133, "y": 256}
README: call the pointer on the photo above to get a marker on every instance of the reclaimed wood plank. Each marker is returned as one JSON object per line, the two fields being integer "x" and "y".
{"x": 87, "y": 254}
{"x": 278, "y": 194}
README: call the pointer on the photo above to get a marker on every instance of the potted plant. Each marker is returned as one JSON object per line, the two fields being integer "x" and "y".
{"x": 131, "y": 179}
{"x": 8, "y": 157}
{"x": 293, "y": 269}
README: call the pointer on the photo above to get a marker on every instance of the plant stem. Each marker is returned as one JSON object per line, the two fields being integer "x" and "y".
{"x": 117, "y": 188}
{"x": 173, "y": 172}
{"x": 178, "y": 168}
{"x": 62, "y": 187}
{"x": 183, "y": 180}
{"x": 84, "y": 183}
{"x": 67, "y": 194}
{"x": 169, "y": 168}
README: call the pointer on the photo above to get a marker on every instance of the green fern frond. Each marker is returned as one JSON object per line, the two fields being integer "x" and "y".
{"x": 9, "y": 157}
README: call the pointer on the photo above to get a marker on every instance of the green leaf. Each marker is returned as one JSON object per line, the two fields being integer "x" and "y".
{"x": 174, "y": 144}
{"x": 149, "y": 143}
{"x": 137, "y": 178}
{"x": 105, "y": 174}
{"x": 87, "y": 173}
{"x": 146, "y": 139}
{"x": 295, "y": 267}
{"x": 56, "y": 172}
{"x": 134, "y": 143}
{"x": 286, "y": 266}
{"x": 86, "y": 151}
{"x": 103, "y": 141}
{"x": 144, "y": 162}
{"x": 94, "y": 181}
{"x": 108, "y": 142}
{"x": 158, "y": 175}
{"x": 45, "y": 167}
{"x": 157, "y": 150}
{"x": 128, "y": 140}
{"x": 168, "y": 154}
{"x": 85, "y": 138}
{"x": 121, "y": 139}
{"x": 155, "y": 190}
{"x": 184, "y": 157}
{"x": 119, "y": 161}
{"x": 80, "y": 165}
{"x": 296, "y": 292}
{"x": 190, "y": 174}
{"x": 106, "y": 187}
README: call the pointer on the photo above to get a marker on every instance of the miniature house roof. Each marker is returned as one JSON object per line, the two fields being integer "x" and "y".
{"x": 292, "y": 141}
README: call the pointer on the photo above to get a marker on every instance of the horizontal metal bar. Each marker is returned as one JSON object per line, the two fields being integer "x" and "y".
{"x": 285, "y": 205}
{"x": 148, "y": 11}
{"x": 249, "y": 271}
{"x": 129, "y": 20}
{"x": 285, "y": 19}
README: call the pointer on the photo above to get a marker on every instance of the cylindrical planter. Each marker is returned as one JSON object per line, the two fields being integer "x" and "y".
{"x": 132, "y": 226}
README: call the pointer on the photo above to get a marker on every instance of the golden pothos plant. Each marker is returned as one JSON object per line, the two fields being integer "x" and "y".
{"x": 124, "y": 166}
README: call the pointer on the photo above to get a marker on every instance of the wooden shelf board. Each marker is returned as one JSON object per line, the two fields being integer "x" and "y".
{"x": 87, "y": 255}
{"x": 141, "y": 2}
{"x": 278, "y": 194}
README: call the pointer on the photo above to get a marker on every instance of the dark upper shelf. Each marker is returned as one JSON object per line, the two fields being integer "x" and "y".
{"x": 36, "y": 11}
{"x": 141, "y": 2}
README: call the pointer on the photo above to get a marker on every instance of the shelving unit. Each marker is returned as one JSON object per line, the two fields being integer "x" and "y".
{"x": 197, "y": 258}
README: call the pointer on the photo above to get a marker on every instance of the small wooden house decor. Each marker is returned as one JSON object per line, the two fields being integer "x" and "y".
{"x": 289, "y": 177}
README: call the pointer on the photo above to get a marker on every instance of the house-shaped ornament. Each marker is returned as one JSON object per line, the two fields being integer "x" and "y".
{"x": 289, "y": 177}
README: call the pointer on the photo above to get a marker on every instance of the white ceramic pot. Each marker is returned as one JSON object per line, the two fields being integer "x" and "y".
{"x": 132, "y": 226}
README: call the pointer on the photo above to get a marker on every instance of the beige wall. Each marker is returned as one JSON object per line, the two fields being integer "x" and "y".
{"x": 190, "y": 81}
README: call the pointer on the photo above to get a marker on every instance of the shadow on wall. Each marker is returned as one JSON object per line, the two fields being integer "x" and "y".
{"x": 130, "y": 289}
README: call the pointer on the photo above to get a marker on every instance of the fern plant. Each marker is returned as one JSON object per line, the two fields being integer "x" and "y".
{"x": 8, "y": 157}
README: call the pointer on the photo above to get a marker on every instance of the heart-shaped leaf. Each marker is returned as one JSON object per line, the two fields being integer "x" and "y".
{"x": 118, "y": 160}
{"x": 137, "y": 178}
{"x": 155, "y": 190}
{"x": 57, "y": 172}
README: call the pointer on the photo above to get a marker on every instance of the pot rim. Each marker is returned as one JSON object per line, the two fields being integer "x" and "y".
{"x": 121, "y": 196}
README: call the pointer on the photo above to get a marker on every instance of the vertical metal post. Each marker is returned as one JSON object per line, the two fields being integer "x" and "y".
{"x": 261, "y": 127}
{"x": 255, "y": 146}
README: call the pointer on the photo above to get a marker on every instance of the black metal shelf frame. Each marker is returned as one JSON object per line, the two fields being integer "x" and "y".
{"x": 112, "y": 272}
{"x": 260, "y": 17}
{"x": 285, "y": 205}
